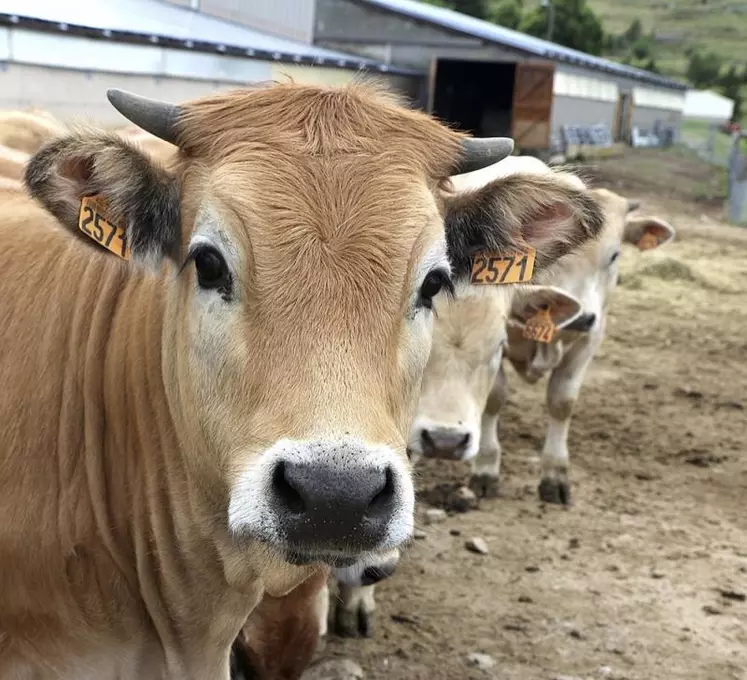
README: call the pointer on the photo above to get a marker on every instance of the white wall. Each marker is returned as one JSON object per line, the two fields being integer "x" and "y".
{"x": 584, "y": 87}
{"x": 708, "y": 106}
{"x": 663, "y": 100}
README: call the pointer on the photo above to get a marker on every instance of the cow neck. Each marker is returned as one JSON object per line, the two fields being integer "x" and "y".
{"x": 177, "y": 566}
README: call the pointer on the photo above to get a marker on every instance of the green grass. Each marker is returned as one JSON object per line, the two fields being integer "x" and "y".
{"x": 716, "y": 25}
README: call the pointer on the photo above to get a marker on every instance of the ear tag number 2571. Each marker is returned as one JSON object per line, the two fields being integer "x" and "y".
{"x": 496, "y": 269}
{"x": 93, "y": 223}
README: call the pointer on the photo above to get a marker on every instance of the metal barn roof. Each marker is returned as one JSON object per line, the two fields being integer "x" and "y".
{"x": 161, "y": 23}
{"x": 461, "y": 23}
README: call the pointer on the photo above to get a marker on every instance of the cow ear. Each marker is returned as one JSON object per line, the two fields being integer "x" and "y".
{"x": 131, "y": 192}
{"x": 545, "y": 212}
{"x": 648, "y": 232}
{"x": 530, "y": 300}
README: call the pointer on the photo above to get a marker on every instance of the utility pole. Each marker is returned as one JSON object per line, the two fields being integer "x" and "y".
{"x": 547, "y": 4}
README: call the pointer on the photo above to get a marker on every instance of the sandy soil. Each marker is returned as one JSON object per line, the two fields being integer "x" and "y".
{"x": 645, "y": 576}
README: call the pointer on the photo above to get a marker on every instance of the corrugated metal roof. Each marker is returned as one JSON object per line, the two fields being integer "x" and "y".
{"x": 161, "y": 22}
{"x": 477, "y": 28}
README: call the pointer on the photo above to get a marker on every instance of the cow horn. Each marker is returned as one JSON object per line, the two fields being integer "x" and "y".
{"x": 479, "y": 152}
{"x": 158, "y": 118}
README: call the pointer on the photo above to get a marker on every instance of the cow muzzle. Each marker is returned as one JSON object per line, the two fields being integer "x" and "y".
{"x": 583, "y": 323}
{"x": 325, "y": 502}
{"x": 443, "y": 441}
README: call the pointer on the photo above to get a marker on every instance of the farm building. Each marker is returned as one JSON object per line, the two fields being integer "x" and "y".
{"x": 707, "y": 106}
{"x": 495, "y": 81}
{"x": 62, "y": 56}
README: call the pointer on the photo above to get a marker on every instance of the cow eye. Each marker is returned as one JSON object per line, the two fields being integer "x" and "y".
{"x": 435, "y": 281}
{"x": 212, "y": 271}
{"x": 614, "y": 257}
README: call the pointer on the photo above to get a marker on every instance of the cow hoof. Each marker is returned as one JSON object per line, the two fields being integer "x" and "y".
{"x": 352, "y": 623}
{"x": 485, "y": 485}
{"x": 554, "y": 491}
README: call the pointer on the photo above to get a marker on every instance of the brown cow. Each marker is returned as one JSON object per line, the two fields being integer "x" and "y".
{"x": 217, "y": 421}
{"x": 27, "y": 131}
{"x": 12, "y": 163}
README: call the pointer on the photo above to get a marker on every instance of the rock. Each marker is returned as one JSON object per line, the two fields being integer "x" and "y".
{"x": 482, "y": 661}
{"x": 455, "y": 532}
{"x": 711, "y": 611}
{"x": 434, "y": 516}
{"x": 477, "y": 545}
{"x": 733, "y": 595}
{"x": 419, "y": 534}
{"x": 452, "y": 497}
{"x": 532, "y": 568}
{"x": 605, "y": 671}
{"x": 464, "y": 500}
{"x": 525, "y": 599}
{"x": 574, "y": 543}
{"x": 334, "y": 669}
{"x": 657, "y": 574}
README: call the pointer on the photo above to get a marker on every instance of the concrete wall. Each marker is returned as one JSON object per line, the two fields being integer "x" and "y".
{"x": 574, "y": 111}
{"x": 78, "y": 91}
{"x": 292, "y": 19}
{"x": 81, "y": 95}
{"x": 645, "y": 117}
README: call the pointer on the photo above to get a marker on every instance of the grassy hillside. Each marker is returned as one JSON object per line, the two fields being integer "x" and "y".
{"x": 716, "y": 25}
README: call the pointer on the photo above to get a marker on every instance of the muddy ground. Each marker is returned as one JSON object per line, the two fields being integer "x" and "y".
{"x": 644, "y": 577}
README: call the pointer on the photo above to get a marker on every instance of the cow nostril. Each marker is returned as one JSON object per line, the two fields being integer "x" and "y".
{"x": 385, "y": 493}
{"x": 285, "y": 490}
{"x": 464, "y": 443}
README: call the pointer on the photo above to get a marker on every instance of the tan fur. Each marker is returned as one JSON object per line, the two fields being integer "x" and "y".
{"x": 12, "y": 163}
{"x": 27, "y": 131}
{"x": 160, "y": 151}
{"x": 127, "y": 443}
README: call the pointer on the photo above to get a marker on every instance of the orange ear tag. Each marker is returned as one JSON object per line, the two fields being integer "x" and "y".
{"x": 540, "y": 327}
{"x": 497, "y": 269}
{"x": 92, "y": 221}
{"x": 647, "y": 241}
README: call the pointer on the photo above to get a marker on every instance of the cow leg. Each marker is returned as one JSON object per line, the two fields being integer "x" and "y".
{"x": 354, "y": 611}
{"x": 562, "y": 391}
{"x": 486, "y": 466}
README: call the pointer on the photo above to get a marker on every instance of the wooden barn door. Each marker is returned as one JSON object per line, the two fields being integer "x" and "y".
{"x": 532, "y": 104}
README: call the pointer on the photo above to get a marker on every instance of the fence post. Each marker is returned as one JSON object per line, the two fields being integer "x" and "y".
{"x": 737, "y": 184}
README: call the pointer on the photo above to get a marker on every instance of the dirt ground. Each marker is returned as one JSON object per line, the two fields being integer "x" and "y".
{"x": 644, "y": 577}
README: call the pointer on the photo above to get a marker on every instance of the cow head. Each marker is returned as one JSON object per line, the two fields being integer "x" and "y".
{"x": 590, "y": 274}
{"x": 301, "y": 240}
{"x": 468, "y": 340}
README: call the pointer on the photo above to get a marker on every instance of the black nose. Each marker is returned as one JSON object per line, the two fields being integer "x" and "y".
{"x": 333, "y": 507}
{"x": 583, "y": 323}
{"x": 444, "y": 442}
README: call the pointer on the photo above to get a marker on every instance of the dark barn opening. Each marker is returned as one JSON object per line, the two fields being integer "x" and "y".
{"x": 475, "y": 96}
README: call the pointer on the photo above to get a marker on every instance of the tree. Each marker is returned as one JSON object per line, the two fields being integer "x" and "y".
{"x": 506, "y": 13}
{"x": 641, "y": 49}
{"x": 475, "y": 8}
{"x": 576, "y": 25}
{"x": 651, "y": 66}
{"x": 634, "y": 32}
{"x": 703, "y": 68}
{"x": 731, "y": 86}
